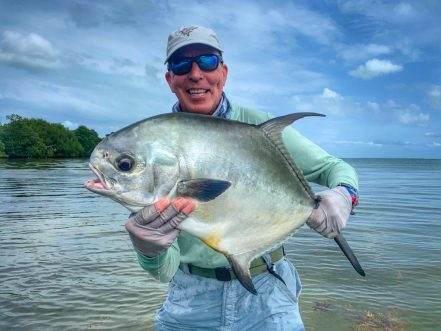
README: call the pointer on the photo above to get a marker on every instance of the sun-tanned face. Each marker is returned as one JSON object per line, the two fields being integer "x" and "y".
{"x": 198, "y": 91}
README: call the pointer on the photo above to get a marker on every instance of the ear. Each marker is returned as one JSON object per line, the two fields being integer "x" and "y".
{"x": 224, "y": 73}
{"x": 169, "y": 79}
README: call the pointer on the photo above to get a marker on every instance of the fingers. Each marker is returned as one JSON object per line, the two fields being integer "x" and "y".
{"x": 323, "y": 223}
{"x": 169, "y": 210}
{"x": 161, "y": 204}
{"x": 155, "y": 215}
{"x": 180, "y": 204}
{"x": 184, "y": 205}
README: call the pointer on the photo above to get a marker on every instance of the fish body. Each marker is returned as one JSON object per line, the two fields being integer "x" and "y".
{"x": 250, "y": 194}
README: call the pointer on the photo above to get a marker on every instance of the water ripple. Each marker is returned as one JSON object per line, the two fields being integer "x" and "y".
{"x": 66, "y": 262}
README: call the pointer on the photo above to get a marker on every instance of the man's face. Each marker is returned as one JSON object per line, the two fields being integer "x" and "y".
{"x": 198, "y": 91}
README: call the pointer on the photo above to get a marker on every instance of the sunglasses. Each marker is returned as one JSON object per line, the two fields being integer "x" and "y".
{"x": 183, "y": 65}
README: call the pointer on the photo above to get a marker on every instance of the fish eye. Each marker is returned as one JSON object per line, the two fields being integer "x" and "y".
{"x": 125, "y": 163}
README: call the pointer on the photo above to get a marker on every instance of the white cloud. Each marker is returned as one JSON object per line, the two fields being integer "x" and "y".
{"x": 413, "y": 116}
{"x": 29, "y": 51}
{"x": 328, "y": 101}
{"x": 360, "y": 143}
{"x": 435, "y": 96}
{"x": 374, "y": 106}
{"x": 330, "y": 94}
{"x": 405, "y": 10}
{"x": 394, "y": 112}
{"x": 363, "y": 51}
{"x": 58, "y": 98}
{"x": 70, "y": 125}
{"x": 432, "y": 135}
{"x": 374, "y": 68}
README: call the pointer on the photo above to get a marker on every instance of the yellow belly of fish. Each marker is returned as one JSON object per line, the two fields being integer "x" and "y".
{"x": 214, "y": 240}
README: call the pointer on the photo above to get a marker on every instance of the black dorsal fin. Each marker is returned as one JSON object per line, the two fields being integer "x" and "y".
{"x": 273, "y": 130}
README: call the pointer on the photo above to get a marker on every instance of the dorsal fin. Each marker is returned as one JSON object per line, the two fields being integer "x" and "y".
{"x": 273, "y": 130}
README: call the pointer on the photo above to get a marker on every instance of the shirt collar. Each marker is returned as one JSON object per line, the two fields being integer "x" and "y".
{"x": 223, "y": 110}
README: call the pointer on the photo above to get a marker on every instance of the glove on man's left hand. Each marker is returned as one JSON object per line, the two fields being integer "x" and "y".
{"x": 333, "y": 212}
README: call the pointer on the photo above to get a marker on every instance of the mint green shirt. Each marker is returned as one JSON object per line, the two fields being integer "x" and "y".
{"x": 317, "y": 166}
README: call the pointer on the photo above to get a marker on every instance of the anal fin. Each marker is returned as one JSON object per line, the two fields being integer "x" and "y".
{"x": 241, "y": 268}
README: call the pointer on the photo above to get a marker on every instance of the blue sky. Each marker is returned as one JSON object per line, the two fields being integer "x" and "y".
{"x": 373, "y": 67}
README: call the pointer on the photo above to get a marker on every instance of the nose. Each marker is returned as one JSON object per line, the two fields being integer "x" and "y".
{"x": 195, "y": 73}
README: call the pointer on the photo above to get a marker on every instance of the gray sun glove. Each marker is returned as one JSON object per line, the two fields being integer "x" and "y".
{"x": 153, "y": 232}
{"x": 332, "y": 213}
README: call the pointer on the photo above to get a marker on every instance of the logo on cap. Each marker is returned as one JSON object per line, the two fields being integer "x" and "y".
{"x": 187, "y": 30}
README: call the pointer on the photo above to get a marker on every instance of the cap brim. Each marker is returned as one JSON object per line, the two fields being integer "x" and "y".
{"x": 187, "y": 44}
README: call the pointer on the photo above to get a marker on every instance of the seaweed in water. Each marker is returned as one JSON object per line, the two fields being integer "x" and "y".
{"x": 321, "y": 306}
{"x": 378, "y": 322}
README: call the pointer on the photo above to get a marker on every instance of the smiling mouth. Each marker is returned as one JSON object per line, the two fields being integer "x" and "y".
{"x": 98, "y": 184}
{"x": 197, "y": 91}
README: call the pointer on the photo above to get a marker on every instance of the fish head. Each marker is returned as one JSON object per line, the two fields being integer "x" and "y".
{"x": 121, "y": 172}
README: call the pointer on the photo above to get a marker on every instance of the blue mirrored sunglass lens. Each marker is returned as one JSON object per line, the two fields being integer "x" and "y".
{"x": 205, "y": 63}
{"x": 182, "y": 67}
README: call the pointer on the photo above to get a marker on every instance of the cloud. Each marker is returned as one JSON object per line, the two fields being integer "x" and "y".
{"x": 389, "y": 113}
{"x": 359, "y": 143}
{"x": 374, "y": 68}
{"x": 374, "y": 106}
{"x": 432, "y": 135}
{"x": 58, "y": 98}
{"x": 405, "y": 10}
{"x": 328, "y": 101}
{"x": 394, "y": 112}
{"x": 363, "y": 51}
{"x": 413, "y": 116}
{"x": 70, "y": 125}
{"x": 377, "y": 143}
{"x": 435, "y": 96}
{"x": 30, "y": 51}
{"x": 84, "y": 17}
{"x": 330, "y": 94}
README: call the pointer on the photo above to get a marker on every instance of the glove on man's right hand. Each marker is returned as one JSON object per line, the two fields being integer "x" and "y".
{"x": 153, "y": 228}
{"x": 333, "y": 212}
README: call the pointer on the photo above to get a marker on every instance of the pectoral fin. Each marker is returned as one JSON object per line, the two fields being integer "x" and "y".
{"x": 241, "y": 268}
{"x": 202, "y": 189}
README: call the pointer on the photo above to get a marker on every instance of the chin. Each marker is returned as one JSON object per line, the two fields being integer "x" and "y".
{"x": 200, "y": 110}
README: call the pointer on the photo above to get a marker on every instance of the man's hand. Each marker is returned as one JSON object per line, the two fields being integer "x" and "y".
{"x": 153, "y": 228}
{"x": 333, "y": 212}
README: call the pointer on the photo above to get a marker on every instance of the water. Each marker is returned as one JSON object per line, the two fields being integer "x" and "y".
{"x": 66, "y": 262}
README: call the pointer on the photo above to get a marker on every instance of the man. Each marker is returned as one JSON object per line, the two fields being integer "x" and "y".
{"x": 201, "y": 297}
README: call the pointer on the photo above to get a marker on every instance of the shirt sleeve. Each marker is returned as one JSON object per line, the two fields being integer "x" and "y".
{"x": 164, "y": 266}
{"x": 317, "y": 165}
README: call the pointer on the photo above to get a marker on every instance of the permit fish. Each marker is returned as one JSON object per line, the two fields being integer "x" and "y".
{"x": 250, "y": 194}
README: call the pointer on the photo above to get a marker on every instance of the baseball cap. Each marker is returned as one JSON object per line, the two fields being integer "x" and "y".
{"x": 191, "y": 34}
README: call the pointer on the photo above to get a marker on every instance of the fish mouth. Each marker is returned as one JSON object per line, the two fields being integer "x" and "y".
{"x": 98, "y": 184}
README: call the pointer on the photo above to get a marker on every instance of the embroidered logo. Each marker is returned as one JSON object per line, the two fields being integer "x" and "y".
{"x": 187, "y": 31}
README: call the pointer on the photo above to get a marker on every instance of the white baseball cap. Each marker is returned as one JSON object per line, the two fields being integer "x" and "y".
{"x": 191, "y": 34}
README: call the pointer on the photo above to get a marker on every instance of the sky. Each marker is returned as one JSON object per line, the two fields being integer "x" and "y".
{"x": 373, "y": 67}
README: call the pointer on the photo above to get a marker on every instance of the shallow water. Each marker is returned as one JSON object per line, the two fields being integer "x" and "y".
{"x": 66, "y": 262}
